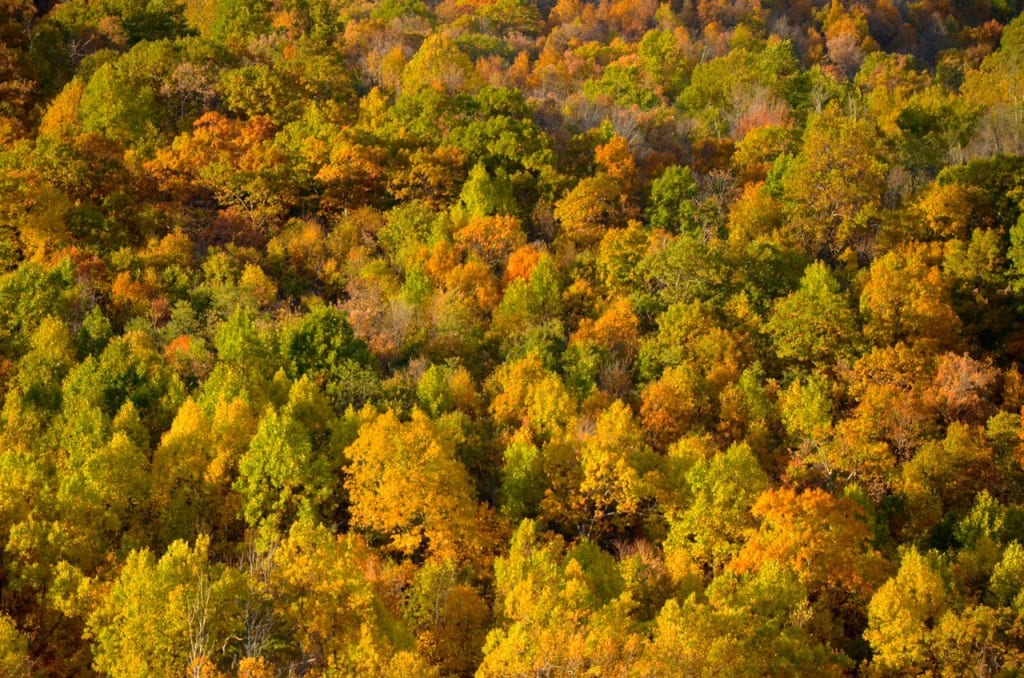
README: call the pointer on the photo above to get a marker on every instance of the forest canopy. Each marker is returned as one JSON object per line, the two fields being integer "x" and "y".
{"x": 511, "y": 338}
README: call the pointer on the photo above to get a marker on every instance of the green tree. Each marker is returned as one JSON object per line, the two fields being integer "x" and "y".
{"x": 720, "y": 493}
{"x": 288, "y": 472}
{"x": 29, "y": 294}
{"x": 485, "y": 195}
{"x": 103, "y": 494}
{"x": 664, "y": 61}
{"x": 122, "y": 21}
{"x": 561, "y": 610}
{"x": 815, "y": 324}
{"x": 129, "y": 368}
{"x": 673, "y": 202}
{"x": 43, "y": 368}
{"x": 123, "y": 101}
{"x": 174, "y": 615}
{"x": 234, "y": 22}
{"x": 528, "y": 318}
{"x": 749, "y": 625}
{"x": 522, "y": 481}
{"x": 501, "y": 133}
{"x": 323, "y": 346}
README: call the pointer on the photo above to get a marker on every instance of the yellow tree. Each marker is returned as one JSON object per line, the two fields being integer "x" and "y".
{"x": 618, "y": 474}
{"x": 449, "y": 617}
{"x": 997, "y": 85}
{"x": 354, "y": 174}
{"x": 835, "y": 185}
{"x": 14, "y": 657}
{"x": 920, "y": 623}
{"x": 675, "y": 403}
{"x": 232, "y": 161}
{"x": 322, "y": 595}
{"x": 406, "y": 485}
{"x": 593, "y": 206}
{"x": 181, "y": 496}
{"x": 528, "y": 396}
{"x": 907, "y": 298}
{"x": 825, "y": 539}
{"x": 439, "y": 64}
{"x": 903, "y": 615}
{"x": 492, "y": 238}
{"x": 828, "y": 542}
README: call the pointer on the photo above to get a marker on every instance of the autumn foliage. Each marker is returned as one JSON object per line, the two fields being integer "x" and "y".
{"x": 511, "y": 338}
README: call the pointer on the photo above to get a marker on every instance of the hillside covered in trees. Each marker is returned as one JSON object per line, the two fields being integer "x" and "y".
{"x": 511, "y": 338}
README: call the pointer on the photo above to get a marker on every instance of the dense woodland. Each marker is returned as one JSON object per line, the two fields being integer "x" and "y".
{"x": 511, "y": 338}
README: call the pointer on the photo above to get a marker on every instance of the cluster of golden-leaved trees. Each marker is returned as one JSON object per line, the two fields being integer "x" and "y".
{"x": 511, "y": 338}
